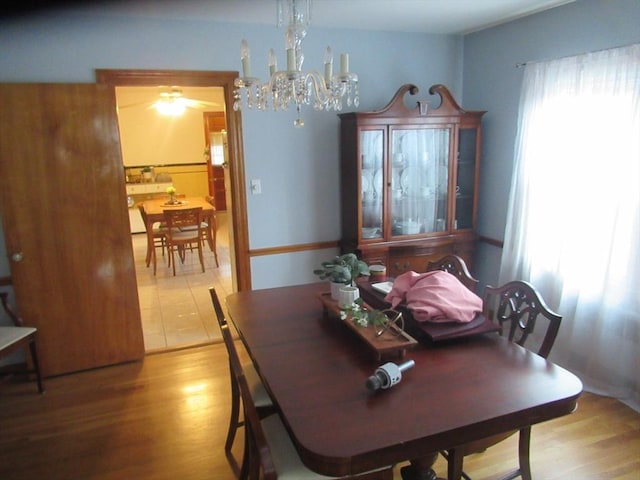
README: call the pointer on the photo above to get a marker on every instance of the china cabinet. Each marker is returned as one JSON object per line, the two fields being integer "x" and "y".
{"x": 409, "y": 181}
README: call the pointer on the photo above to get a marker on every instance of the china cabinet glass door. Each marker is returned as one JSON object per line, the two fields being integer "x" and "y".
{"x": 419, "y": 180}
{"x": 372, "y": 183}
{"x": 465, "y": 178}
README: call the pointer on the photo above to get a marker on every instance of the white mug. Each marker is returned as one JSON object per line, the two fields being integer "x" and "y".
{"x": 348, "y": 296}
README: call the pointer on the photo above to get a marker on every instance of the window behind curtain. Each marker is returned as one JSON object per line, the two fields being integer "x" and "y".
{"x": 573, "y": 226}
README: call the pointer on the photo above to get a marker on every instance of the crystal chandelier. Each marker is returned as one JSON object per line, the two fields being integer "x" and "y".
{"x": 293, "y": 86}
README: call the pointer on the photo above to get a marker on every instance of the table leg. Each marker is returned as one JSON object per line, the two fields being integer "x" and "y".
{"x": 420, "y": 468}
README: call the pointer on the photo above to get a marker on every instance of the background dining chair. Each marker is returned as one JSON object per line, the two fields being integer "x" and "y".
{"x": 209, "y": 229}
{"x": 268, "y": 447}
{"x": 455, "y": 265}
{"x": 13, "y": 338}
{"x": 261, "y": 398}
{"x": 518, "y": 306}
{"x": 158, "y": 233}
{"x": 178, "y": 240}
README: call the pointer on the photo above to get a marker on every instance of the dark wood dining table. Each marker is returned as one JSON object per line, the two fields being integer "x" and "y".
{"x": 315, "y": 369}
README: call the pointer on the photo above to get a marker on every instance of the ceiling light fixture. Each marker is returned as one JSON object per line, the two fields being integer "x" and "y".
{"x": 171, "y": 104}
{"x": 293, "y": 86}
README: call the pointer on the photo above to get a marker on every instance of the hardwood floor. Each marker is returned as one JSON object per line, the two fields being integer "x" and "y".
{"x": 166, "y": 418}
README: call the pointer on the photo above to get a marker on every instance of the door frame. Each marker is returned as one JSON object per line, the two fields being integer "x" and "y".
{"x": 238, "y": 231}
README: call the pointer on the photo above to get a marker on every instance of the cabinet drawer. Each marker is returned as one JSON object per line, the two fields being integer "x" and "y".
{"x": 399, "y": 265}
{"x": 419, "y": 261}
{"x": 136, "y": 189}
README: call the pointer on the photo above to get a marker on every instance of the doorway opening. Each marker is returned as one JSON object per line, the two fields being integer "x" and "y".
{"x": 171, "y": 310}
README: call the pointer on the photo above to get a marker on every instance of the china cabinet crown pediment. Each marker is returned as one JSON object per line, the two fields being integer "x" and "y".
{"x": 409, "y": 181}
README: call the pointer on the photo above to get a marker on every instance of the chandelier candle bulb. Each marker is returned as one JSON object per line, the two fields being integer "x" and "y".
{"x": 291, "y": 60}
{"x": 246, "y": 58}
{"x": 273, "y": 62}
{"x": 328, "y": 66}
{"x": 344, "y": 64}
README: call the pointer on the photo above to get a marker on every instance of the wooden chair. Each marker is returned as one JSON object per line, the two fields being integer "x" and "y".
{"x": 178, "y": 240}
{"x": 261, "y": 398}
{"x": 519, "y": 307}
{"x": 455, "y": 265}
{"x": 13, "y": 338}
{"x": 159, "y": 231}
{"x": 209, "y": 232}
{"x": 268, "y": 448}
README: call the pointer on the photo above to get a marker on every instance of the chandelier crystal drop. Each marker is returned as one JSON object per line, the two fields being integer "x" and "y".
{"x": 293, "y": 86}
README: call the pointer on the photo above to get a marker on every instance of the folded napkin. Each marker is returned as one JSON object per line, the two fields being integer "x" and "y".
{"x": 435, "y": 296}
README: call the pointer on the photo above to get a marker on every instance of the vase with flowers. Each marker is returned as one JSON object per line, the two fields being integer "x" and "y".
{"x": 172, "y": 196}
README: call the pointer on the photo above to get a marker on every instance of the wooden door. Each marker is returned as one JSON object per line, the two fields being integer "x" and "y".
{"x": 64, "y": 213}
{"x": 215, "y": 122}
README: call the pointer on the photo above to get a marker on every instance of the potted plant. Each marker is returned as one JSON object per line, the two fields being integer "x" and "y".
{"x": 146, "y": 174}
{"x": 341, "y": 270}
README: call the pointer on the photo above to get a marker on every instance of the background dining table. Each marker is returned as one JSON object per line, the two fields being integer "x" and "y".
{"x": 154, "y": 210}
{"x": 315, "y": 369}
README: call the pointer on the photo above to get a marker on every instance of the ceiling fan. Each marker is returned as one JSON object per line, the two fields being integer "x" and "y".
{"x": 172, "y": 102}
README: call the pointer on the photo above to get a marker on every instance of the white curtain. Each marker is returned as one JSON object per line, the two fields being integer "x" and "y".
{"x": 573, "y": 225}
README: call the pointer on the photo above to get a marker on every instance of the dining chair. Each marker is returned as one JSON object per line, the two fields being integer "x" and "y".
{"x": 268, "y": 447}
{"x": 518, "y": 306}
{"x": 16, "y": 337}
{"x": 209, "y": 229}
{"x": 178, "y": 240}
{"x": 158, "y": 233}
{"x": 454, "y": 265}
{"x": 261, "y": 398}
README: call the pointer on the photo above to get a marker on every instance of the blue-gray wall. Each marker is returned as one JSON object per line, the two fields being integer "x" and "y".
{"x": 299, "y": 167}
{"x": 492, "y": 82}
{"x": 300, "y": 200}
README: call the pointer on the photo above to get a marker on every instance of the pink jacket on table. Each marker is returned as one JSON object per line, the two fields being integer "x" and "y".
{"x": 435, "y": 296}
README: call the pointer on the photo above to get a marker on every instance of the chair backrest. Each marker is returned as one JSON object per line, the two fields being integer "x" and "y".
{"x": 454, "y": 265}
{"x": 183, "y": 218}
{"x": 259, "y": 452}
{"x": 217, "y": 307}
{"x": 143, "y": 214}
{"x": 520, "y": 305}
{"x": 17, "y": 320}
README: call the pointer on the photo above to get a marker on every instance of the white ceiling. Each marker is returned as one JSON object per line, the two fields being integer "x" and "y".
{"x": 425, "y": 16}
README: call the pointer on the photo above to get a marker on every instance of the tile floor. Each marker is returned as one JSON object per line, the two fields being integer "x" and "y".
{"x": 176, "y": 311}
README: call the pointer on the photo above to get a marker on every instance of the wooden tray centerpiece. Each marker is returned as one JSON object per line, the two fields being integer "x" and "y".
{"x": 384, "y": 342}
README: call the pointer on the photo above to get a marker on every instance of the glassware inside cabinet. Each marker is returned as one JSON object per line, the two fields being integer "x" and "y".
{"x": 419, "y": 180}
{"x": 372, "y": 183}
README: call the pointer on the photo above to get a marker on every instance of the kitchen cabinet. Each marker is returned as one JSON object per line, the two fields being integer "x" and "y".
{"x": 138, "y": 193}
{"x": 409, "y": 181}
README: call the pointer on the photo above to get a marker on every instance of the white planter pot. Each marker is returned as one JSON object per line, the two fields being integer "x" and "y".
{"x": 335, "y": 290}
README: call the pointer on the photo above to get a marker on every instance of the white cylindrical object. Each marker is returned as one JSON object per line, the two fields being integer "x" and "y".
{"x": 291, "y": 60}
{"x": 246, "y": 67}
{"x": 245, "y": 56}
{"x": 328, "y": 72}
{"x": 273, "y": 62}
{"x": 347, "y": 296}
{"x": 328, "y": 66}
{"x": 344, "y": 63}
